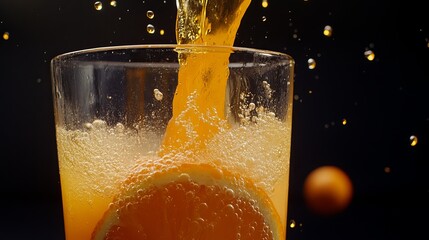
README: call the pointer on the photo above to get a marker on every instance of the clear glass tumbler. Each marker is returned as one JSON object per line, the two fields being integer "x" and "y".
{"x": 173, "y": 141}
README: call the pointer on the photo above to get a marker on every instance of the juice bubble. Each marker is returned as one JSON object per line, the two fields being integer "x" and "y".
{"x": 150, "y": 14}
{"x": 150, "y": 29}
{"x": 158, "y": 94}
{"x": 311, "y": 63}
{"x": 327, "y": 190}
{"x": 369, "y": 55}
{"x": 292, "y": 224}
{"x": 6, "y": 36}
{"x": 98, "y": 5}
{"x": 264, "y": 3}
{"x": 413, "y": 140}
{"x": 327, "y": 31}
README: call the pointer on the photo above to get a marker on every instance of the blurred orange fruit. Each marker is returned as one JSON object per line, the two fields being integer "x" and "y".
{"x": 328, "y": 190}
{"x": 190, "y": 201}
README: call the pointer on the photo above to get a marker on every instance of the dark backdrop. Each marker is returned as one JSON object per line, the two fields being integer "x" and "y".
{"x": 384, "y": 101}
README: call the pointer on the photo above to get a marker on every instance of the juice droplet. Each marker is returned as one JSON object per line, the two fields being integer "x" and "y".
{"x": 311, "y": 63}
{"x": 150, "y": 14}
{"x": 296, "y": 97}
{"x": 387, "y": 169}
{"x": 150, "y": 29}
{"x": 98, "y": 5}
{"x": 292, "y": 224}
{"x": 6, "y": 36}
{"x": 264, "y": 3}
{"x": 369, "y": 55}
{"x": 327, "y": 31}
{"x": 113, "y": 3}
{"x": 161, "y": 32}
{"x": 413, "y": 140}
{"x": 344, "y": 122}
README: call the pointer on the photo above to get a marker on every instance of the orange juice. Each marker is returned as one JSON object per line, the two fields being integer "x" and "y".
{"x": 96, "y": 163}
{"x": 205, "y": 177}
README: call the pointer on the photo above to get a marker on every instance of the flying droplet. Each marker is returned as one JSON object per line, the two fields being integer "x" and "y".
{"x": 292, "y": 224}
{"x": 113, "y": 3}
{"x": 328, "y": 190}
{"x": 344, "y": 122}
{"x": 264, "y": 3}
{"x": 264, "y": 18}
{"x": 387, "y": 169}
{"x": 413, "y": 140}
{"x": 327, "y": 31}
{"x": 150, "y": 29}
{"x": 311, "y": 63}
{"x": 369, "y": 54}
{"x": 98, "y": 5}
{"x": 150, "y": 14}
{"x": 6, "y": 36}
{"x": 296, "y": 97}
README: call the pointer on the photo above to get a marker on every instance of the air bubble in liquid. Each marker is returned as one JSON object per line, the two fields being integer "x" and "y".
{"x": 267, "y": 88}
{"x": 99, "y": 124}
{"x": 158, "y": 94}
{"x": 252, "y": 106}
{"x": 230, "y": 193}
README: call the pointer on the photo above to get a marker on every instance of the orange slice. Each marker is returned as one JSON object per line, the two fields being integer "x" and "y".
{"x": 190, "y": 201}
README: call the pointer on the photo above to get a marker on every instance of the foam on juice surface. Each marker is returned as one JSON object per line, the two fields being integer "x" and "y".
{"x": 93, "y": 163}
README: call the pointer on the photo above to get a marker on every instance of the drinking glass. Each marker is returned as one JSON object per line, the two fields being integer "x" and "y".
{"x": 173, "y": 141}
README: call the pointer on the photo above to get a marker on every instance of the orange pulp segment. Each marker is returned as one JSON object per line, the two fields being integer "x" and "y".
{"x": 190, "y": 201}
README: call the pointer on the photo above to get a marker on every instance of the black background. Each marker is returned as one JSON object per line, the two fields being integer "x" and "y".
{"x": 385, "y": 101}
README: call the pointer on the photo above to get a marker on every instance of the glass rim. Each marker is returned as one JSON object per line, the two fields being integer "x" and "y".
{"x": 214, "y": 48}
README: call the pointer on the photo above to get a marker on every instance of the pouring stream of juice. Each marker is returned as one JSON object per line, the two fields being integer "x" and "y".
{"x": 202, "y": 77}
